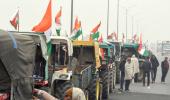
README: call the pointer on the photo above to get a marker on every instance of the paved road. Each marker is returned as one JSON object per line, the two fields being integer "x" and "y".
{"x": 158, "y": 91}
{"x": 139, "y": 96}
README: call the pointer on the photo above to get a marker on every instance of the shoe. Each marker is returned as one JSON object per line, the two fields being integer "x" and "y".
{"x": 148, "y": 87}
{"x": 126, "y": 90}
{"x": 120, "y": 89}
{"x": 163, "y": 82}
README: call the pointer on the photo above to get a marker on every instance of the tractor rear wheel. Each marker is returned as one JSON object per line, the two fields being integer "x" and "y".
{"x": 60, "y": 88}
{"x": 94, "y": 89}
{"x": 105, "y": 82}
{"x": 111, "y": 80}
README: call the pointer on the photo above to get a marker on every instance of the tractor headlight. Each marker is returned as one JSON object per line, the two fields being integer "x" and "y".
{"x": 63, "y": 76}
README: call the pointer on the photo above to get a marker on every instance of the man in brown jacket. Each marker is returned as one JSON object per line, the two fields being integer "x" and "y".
{"x": 165, "y": 68}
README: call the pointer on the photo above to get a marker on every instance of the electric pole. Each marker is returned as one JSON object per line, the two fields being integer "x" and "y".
{"x": 117, "y": 19}
{"x": 71, "y": 26}
{"x": 108, "y": 5}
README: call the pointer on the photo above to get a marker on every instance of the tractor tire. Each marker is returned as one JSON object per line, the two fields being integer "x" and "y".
{"x": 114, "y": 79}
{"x": 60, "y": 88}
{"x": 105, "y": 82}
{"x": 111, "y": 80}
{"x": 92, "y": 90}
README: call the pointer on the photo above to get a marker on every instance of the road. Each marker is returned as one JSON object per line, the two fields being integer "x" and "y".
{"x": 139, "y": 96}
{"x": 158, "y": 91}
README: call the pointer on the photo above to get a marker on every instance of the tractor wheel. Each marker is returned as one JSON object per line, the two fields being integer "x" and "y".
{"x": 114, "y": 77}
{"x": 94, "y": 90}
{"x": 105, "y": 81}
{"x": 111, "y": 80}
{"x": 60, "y": 88}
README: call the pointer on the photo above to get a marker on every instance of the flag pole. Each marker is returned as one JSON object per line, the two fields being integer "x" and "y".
{"x": 108, "y": 7}
{"x": 18, "y": 19}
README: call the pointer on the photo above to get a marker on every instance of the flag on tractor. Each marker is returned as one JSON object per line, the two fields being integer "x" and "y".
{"x": 15, "y": 20}
{"x": 134, "y": 38}
{"x": 76, "y": 25}
{"x": 100, "y": 40}
{"x": 102, "y": 53}
{"x": 58, "y": 22}
{"x": 45, "y": 27}
{"x": 95, "y": 33}
{"x": 142, "y": 50}
{"x": 110, "y": 36}
{"x": 77, "y": 31}
{"x": 115, "y": 36}
{"x": 140, "y": 44}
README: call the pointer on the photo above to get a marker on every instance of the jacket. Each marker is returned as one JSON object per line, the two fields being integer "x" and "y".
{"x": 122, "y": 66}
{"x": 135, "y": 65}
{"x": 154, "y": 62}
{"x": 165, "y": 64}
{"x": 128, "y": 71}
{"x": 147, "y": 66}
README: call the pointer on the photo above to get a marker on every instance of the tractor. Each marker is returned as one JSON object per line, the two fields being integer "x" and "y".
{"x": 74, "y": 63}
{"x": 107, "y": 69}
{"x": 118, "y": 53}
{"x": 18, "y": 54}
{"x": 86, "y": 71}
{"x": 130, "y": 49}
{"x": 59, "y": 62}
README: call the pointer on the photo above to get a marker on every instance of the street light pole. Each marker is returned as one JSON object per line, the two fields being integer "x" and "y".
{"x": 127, "y": 10}
{"x": 132, "y": 26}
{"x": 137, "y": 28}
{"x": 126, "y": 24}
{"x": 71, "y": 26}
{"x": 108, "y": 5}
{"x": 117, "y": 19}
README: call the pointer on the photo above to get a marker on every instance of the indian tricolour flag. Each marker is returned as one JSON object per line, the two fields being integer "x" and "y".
{"x": 58, "y": 22}
{"x": 100, "y": 40}
{"x": 15, "y": 20}
{"x": 95, "y": 33}
{"x": 141, "y": 49}
{"x": 45, "y": 26}
{"x": 77, "y": 31}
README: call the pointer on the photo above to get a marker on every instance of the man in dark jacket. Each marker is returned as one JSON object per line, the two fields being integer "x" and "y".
{"x": 146, "y": 71}
{"x": 165, "y": 68}
{"x": 122, "y": 72}
{"x": 155, "y": 64}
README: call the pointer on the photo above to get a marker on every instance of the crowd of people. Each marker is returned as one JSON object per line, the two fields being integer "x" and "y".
{"x": 129, "y": 70}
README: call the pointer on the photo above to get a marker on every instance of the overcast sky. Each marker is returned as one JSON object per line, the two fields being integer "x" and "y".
{"x": 151, "y": 17}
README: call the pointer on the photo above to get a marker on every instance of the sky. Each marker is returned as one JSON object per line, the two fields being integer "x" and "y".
{"x": 150, "y": 17}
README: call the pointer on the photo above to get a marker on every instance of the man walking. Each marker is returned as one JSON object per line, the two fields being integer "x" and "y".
{"x": 146, "y": 71}
{"x": 135, "y": 64}
{"x": 122, "y": 72}
{"x": 165, "y": 68}
{"x": 128, "y": 73}
{"x": 155, "y": 64}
